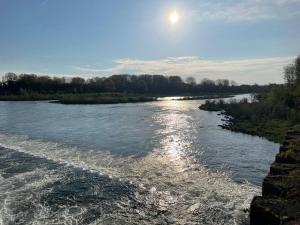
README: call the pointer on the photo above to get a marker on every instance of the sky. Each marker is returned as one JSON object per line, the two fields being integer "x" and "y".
{"x": 248, "y": 41}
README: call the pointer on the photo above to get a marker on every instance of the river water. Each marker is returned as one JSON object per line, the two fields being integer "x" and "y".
{"x": 164, "y": 162}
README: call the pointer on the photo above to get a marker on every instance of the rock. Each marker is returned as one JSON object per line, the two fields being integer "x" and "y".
{"x": 280, "y": 200}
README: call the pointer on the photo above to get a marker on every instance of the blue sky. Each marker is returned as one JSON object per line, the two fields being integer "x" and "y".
{"x": 248, "y": 41}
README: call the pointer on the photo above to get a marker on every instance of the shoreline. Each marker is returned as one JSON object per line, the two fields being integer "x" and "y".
{"x": 272, "y": 130}
{"x": 106, "y": 98}
{"x": 279, "y": 203}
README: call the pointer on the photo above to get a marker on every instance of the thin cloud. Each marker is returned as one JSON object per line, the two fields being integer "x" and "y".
{"x": 265, "y": 70}
{"x": 248, "y": 10}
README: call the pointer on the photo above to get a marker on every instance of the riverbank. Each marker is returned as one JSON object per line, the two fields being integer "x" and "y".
{"x": 89, "y": 98}
{"x": 30, "y": 97}
{"x": 270, "y": 114}
{"x": 280, "y": 200}
{"x": 103, "y": 98}
{"x": 272, "y": 129}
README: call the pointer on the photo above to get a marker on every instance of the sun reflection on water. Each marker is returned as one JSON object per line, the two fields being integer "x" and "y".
{"x": 175, "y": 126}
{"x": 170, "y": 98}
{"x": 178, "y": 184}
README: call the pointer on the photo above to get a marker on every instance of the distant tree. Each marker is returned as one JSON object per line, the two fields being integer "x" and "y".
{"x": 175, "y": 80}
{"x": 159, "y": 84}
{"x": 77, "y": 84}
{"x": 290, "y": 74}
{"x": 59, "y": 80}
{"x": 9, "y": 77}
{"x": 95, "y": 84}
{"x": 150, "y": 84}
{"x": 233, "y": 83}
{"x": 190, "y": 80}
{"x": 9, "y": 83}
{"x": 77, "y": 81}
{"x": 109, "y": 85}
{"x": 175, "y": 84}
{"x": 207, "y": 82}
{"x": 141, "y": 86}
{"x": 225, "y": 83}
{"x": 222, "y": 82}
{"x": 297, "y": 69}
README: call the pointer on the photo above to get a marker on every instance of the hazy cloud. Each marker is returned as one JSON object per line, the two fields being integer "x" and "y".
{"x": 265, "y": 70}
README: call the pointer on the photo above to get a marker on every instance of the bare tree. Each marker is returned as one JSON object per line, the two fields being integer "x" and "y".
{"x": 222, "y": 82}
{"x": 77, "y": 81}
{"x": 297, "y": 69}
{"x": 9, "y": 77}
{"x": 207, "y": 82}
{"x": 233, "y": 83}
{"x": 290, "y": 74}
{"x": 190, "y": 80}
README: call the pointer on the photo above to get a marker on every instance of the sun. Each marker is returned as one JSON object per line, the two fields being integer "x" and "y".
{"x": 174, "y": 17}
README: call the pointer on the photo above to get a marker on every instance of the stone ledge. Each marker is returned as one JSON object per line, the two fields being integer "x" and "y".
{"x": 280, "y": 200}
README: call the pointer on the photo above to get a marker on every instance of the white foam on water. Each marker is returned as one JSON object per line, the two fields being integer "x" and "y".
{"x": 22, "y": 188}
{"x": 183, "y": 191}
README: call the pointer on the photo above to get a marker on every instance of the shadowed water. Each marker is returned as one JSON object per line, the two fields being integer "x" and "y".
{"x": 163, "y": 162}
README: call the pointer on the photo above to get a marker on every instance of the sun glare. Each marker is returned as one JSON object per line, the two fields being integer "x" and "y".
{"x": 174, "y": 17}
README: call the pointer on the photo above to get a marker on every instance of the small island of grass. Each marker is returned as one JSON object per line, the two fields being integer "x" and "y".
{"x": 102, "y": 98}
{"x": 80, "y": 98}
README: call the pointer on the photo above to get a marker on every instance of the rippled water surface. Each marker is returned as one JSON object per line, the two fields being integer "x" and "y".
{"x": 162, "y": 162}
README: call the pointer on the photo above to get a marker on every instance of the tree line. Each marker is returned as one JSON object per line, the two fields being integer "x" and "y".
{"x": 13, "y": 84}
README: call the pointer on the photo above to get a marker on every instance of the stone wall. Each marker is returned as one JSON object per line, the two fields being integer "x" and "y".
{"x": 280, "y": 200}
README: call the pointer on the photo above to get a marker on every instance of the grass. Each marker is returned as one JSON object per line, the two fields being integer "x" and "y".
{"x": 102, "y": 99}
{"x": 96, "y": 98}
{"x": 89, "y": 98}
{"x": 289, "y": 154}
{"x": 30, "y": 97}
{"x": 251, "y": 118}
{"x": 273, "y": 130}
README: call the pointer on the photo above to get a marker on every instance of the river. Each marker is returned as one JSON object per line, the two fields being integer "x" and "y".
{"x": 163, "y": 162}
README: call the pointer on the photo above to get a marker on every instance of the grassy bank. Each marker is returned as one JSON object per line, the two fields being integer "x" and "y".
{"x": 90, "y": 98}
{"x": 99, "y": 98}
{"x": 30, "y": 97}
{"x": 102, "y": 99}
{"x": 273, "y": 130}
{"x": 270, "y": 115}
